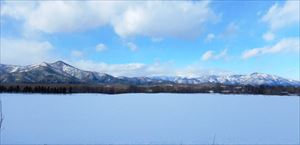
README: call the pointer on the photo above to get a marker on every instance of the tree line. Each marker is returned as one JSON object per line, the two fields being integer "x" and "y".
{"x": 164, "y": 88}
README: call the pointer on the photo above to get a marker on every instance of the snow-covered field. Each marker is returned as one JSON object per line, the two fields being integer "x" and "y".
{"x": 150, "y": 118}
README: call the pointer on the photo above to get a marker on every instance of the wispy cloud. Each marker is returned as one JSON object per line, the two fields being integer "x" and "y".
{"x": 128, "y": 69}
{"x": 230, "y": 30}
{"x": 207, "y": 55}
{"x": 132, "y": 46}
{"x": 279, "y": 16}
{"x": 101, "y": 47}
{"x": 210, "y": 37}
{"x": 141, "y": 69}
{"x": 269, "y": 36}
{"x": 212, "y": 55}
{"x": 76, "y": 53}
{"x": 284, "y": 45}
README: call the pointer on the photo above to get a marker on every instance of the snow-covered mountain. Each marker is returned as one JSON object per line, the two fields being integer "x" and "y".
{"x": 61, "y": 72}
{"x": 57, "y": 72}
{"x": 252, "y": 79}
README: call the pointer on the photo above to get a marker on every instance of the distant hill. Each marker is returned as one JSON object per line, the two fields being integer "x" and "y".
{"x": 60, "y": 77}
{"x": 62, "y": 73}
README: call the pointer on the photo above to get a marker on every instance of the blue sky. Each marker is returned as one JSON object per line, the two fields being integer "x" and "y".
{"x": 187, "y": 38}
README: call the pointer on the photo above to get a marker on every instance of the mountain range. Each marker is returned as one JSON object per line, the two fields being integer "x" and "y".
{"x": 63, "y": 73}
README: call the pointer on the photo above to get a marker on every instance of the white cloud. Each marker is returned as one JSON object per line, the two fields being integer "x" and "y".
{"x": 63, "y": 16}
{"x": 211, "y": 55}
{"x": 129, "y": 69}
{"x": 132, "y": 46}
{"x": 164, "y": 19}
{"x": 140, "y": 69}
{"x": 221, "y": 55}
{"x": 193, "y": 71}
{"x": 23, "y": 51}
{"x": 210, "y": 37}
{"x": 69, "y": 16}
{"x": 207, "y": 55}
{"x": 284, "y": 45}
{"x": 230, "y": 30}
{"x": 269, "y": 36}
{"x": 101, "y": 47}
{"x": 280, "y": 16}
{"x": 156, "y": 39}
{"x": 156, "y": 19}
{"x": 251, "y": 52}
{"x": 76, "y": 53}
{"x": 17, "y": 9}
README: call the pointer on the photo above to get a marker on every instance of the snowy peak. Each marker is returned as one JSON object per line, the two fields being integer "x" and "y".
{"x": 252, "y": 79}
{"x": 57, "y": 72}
{"x": 261, "y": 78}
{"x": 61, "y": 72}
{"x": 60, "y": 65}
{"x": 73, "y": 71}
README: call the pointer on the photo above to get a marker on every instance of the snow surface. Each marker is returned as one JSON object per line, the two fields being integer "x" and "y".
{"x": 150, "y": 119}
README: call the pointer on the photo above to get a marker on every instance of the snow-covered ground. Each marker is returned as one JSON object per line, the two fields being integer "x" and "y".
{"x": 150, "y": 118}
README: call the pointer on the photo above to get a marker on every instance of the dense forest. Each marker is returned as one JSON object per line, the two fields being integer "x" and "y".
{"x": 166, "y": 88}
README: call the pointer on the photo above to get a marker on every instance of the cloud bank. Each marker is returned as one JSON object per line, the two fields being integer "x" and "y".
{"x": 141, "y": 69}
{"x": 155, "y": 19}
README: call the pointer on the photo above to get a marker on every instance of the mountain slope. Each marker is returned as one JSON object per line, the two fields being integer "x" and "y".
{"x": 61, "y": 72}
{"x": 40, "y": 73}
{"x": 252, "y": 79}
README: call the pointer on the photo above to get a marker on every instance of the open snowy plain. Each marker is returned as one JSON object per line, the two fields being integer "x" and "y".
{"x": 150, "y": 119}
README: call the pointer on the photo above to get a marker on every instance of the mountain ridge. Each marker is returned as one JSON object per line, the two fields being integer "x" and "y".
{"x": 61, "y": 72}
